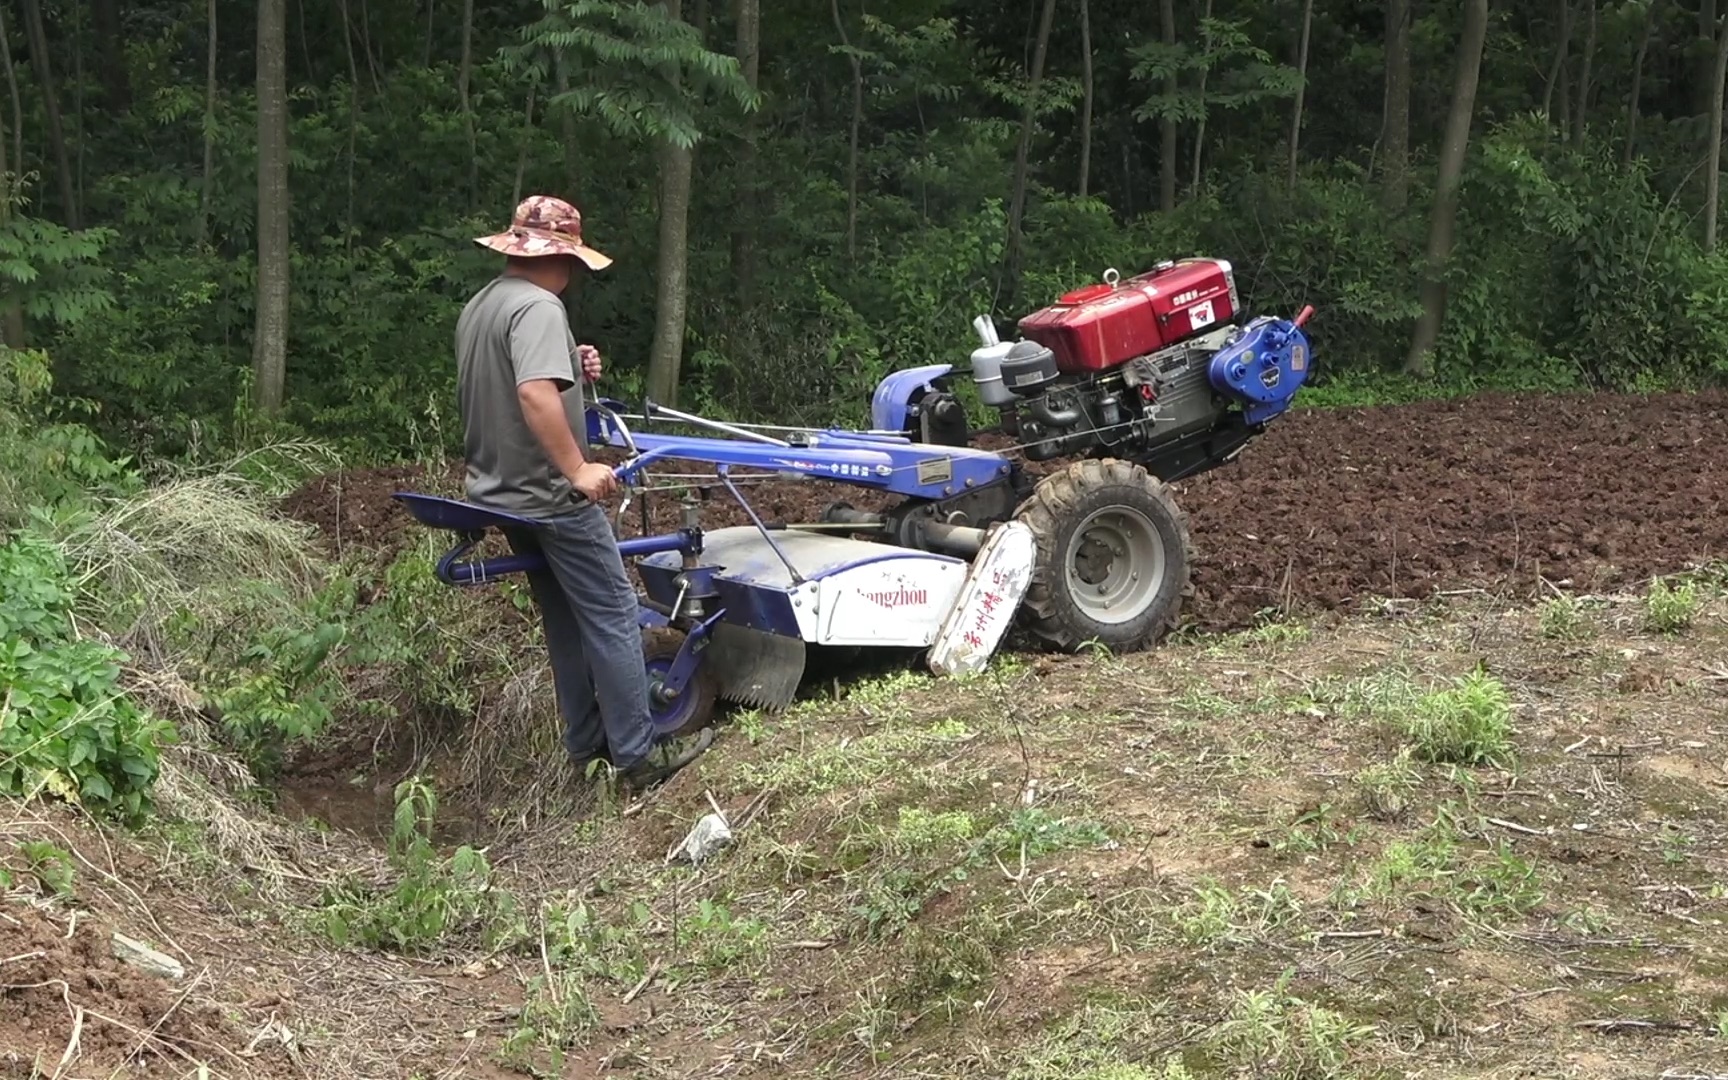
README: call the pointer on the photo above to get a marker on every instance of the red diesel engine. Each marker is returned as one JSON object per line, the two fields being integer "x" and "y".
{"x": 1097, "y": 328}
{"x": 1121, "y": 368}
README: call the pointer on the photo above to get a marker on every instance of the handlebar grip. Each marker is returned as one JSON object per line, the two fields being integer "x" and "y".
{"x": 1303, "y": 315}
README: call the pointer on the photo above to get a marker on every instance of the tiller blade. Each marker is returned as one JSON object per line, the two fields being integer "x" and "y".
{"x": 756, "y": 669}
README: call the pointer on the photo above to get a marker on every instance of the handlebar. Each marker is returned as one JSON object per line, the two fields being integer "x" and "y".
{"x": 1303, "y": 315}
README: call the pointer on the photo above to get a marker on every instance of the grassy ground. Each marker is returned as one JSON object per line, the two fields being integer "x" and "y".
{"x": 1462, "y": 840}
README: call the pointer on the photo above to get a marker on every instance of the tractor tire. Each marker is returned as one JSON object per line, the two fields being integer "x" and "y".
{"x": 694, "y": 708}
{"x": 1114, "y": 558}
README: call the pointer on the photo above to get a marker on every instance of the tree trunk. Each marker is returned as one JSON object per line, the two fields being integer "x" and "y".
{"x": 666, "y": 354}
{"x": 1200, "y": 125}
{"x": 17, "y": 98}
{"x": 1702, "y": 94}
{"x": 38, "y": 44}
{"x": 11, "y": 311}
{"x": 205, "y": 191}
{"x": 1440, "y": 227}
{"x": 353, "y": 114}
{"x": 426, "y": 58}
{"x": 116, "y": 90}
{"x": 1086, "y": 97}
{"x": 852, "y": 139}
{"x": 749, "y": 51}
{"x": 462, "y": 77}
{"x": 1301, "y": 88}
{"x": 1581, "y": 114}
{"x": 78, "y": 140}
{"x": 1395, "y": 119}
{"x": 270, "y": 332}
{"x": 1713, "y": 159}
{"x": 1557, "y": 71}
{"x": 1638, "y": 82}
{"x": 567, "y": 128}
{"x": 1167, "y": 131}
{"x": 1023, "y": 149}
{"x": 527, "y": 141}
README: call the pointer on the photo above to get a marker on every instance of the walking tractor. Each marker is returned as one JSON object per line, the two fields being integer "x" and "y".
{"x": 1144, "y": 381}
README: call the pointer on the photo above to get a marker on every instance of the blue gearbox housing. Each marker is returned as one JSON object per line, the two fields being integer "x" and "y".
{"x": 1263, "y": 367}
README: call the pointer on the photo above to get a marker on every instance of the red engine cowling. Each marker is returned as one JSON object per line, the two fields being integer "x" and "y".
{"x": 1100, "y": 326}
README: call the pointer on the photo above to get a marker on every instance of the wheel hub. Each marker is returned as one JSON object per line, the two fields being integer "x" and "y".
{"x": 1115, "y": 564}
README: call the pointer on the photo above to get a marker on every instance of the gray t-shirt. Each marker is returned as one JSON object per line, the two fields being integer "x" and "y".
{"x": 513, "y": 331}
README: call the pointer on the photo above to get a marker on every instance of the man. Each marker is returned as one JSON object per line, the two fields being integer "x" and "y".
{"x": 526, "y": 442}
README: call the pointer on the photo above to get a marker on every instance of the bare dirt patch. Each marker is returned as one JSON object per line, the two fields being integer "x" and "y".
{"x": 65, "y": 1000}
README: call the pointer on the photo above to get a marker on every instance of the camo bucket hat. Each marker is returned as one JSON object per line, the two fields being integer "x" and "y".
{"x": 544, "y": 225}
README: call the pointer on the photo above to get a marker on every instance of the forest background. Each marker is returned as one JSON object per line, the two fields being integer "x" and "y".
{"x": 226, "y": 222}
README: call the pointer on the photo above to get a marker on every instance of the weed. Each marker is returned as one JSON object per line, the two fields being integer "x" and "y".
{"x": 1676, "y": 844}
{"x": 1587, "y": 921}
{"x": 716, "y": 941}
{"x": 65, "y": 725}
{"x": 1504, "y": 884}
{"x": 51, "y": 866}
{"x": 1385, "y": 787}
{"x": 1275, "y": 1034}
{"x": 556, "y": 1016}
{"x": 1562, "y": 618}
{"x": 1469, "y": 723}
{"x": 1102, "y": 1041}
{"x": 432, "y": 896}
{"x": 948, "y": 968}
{"x": 575, "y": 937}
{"x": 1669, "y": 609}
{"x": 1312, "y": 832}
{"x": 1217, "y": 916}
{"x": 852, "y": 763}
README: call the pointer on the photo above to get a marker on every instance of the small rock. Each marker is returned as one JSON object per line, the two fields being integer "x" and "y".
{"x": 144, "y": 958}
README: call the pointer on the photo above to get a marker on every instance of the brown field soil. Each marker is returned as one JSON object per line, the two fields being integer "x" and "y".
{"x": 1332, "y": 508}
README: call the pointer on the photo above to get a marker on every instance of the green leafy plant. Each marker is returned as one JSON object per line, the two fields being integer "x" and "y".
{"x": 1670, "y": 608}
{"x": 432, "y": 898}
{"x": 1469, "y": 723}
{"x": 66, "y": 727}
{"x": 50, "y": 864}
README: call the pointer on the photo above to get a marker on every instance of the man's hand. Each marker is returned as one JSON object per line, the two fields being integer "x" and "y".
{"x": 589, "y": 357}
{"x": 595, "y": 481}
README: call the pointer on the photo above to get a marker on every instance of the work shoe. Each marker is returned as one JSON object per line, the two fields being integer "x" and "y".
{"x": 646, "y": 774}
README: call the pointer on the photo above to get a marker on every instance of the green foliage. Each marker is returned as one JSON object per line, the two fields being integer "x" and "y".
{"x": 1562, "y": 618}
{"x": 1237, "y": 73}
{"x": 432, "y": 898}
{"x": 66, "y": 727}
{"x": 50, "y": 271}
{"x": 642, "y": 73}
{"x": 45, "y": 461}
{"x": 51, "y": 866}
{"x": 1670, "y": 608}
{"x": 1468, "y": 723}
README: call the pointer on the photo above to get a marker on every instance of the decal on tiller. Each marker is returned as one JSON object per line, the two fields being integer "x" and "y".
{"x": 897, "y": 598}
{"x": 987, "y": 610}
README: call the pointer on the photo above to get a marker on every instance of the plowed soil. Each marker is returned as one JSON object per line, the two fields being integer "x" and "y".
{"x": 1331, "y": 508}
{"x": 66, "y": 998}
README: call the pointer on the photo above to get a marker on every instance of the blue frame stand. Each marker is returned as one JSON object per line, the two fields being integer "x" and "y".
{"x": 668, "y": 704}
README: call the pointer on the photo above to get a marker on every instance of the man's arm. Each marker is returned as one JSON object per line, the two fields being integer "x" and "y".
{"x": 540, "y": 353}
{"x": 543, "y": 409}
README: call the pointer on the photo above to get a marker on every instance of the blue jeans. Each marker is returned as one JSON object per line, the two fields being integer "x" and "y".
{"x": 589, "y": 611}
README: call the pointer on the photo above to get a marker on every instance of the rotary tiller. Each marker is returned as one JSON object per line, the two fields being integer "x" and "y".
{"x": 1152, "y": 379}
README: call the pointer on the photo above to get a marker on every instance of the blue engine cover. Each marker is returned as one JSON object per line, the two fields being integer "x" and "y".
{"x": 1263, "y": 368}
